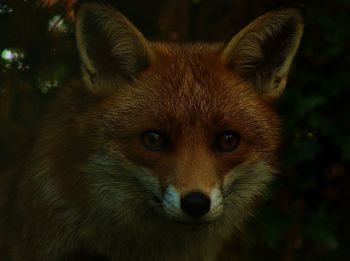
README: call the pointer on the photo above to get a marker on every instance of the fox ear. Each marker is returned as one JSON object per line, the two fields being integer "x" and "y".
{"x": 263, "y": 51}
{"x": 111, "y": 49}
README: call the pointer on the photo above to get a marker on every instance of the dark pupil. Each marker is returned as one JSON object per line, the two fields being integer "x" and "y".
{"x": 229, "y": 141}
{"x": 153, "y": 140}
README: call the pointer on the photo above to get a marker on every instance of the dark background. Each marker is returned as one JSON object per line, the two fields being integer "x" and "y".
{"x": 306, "y": 212}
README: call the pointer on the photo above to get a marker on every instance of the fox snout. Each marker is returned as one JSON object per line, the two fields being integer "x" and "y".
{"x": 192, "y": 206}
{"x": 195, "y": 204}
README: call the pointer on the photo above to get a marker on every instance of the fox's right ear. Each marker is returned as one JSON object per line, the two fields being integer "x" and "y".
{"x": 111, "y": 49}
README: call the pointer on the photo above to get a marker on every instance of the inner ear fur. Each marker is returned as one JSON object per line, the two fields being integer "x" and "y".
{"x": 111, "y": 49}
{"x": 263, "y": 51}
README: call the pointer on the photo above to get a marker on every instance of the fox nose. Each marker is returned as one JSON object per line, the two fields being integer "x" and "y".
{"x": 195, "y": 204}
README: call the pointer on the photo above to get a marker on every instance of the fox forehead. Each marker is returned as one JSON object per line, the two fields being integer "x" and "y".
{"x": 190, "y": 94}
{"x": 186, "y": 84}
{"x": 191, "y": 80}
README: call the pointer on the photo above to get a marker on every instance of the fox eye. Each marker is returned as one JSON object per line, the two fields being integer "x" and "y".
{"x": 153, "y": 140}
{"x": 228, "y": 140}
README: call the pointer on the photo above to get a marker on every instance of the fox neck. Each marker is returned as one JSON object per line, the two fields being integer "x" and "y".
{"x": 164, "y": 242}
{"x": 123, "y": 235}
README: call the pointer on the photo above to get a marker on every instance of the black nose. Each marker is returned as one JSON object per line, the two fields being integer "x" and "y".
{"x": 195, "y": 204}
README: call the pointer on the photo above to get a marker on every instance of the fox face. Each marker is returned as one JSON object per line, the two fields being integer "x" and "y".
{"x": 198, "y": 132}
{"x": 195, "y": 119}
{"x": 164, "y": 140}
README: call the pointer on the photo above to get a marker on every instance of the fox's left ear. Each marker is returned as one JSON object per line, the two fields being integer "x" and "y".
{"x": 263, "y": 51}
{"x": 111, "y": 49}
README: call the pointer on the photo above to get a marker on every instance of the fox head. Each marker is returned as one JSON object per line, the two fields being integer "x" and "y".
{"x": 178, "y": 133}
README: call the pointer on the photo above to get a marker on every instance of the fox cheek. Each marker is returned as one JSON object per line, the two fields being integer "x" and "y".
{"x": 246, "y": 181}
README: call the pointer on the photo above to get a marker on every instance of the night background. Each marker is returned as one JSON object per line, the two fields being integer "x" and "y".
{"x": 306, "y": 213}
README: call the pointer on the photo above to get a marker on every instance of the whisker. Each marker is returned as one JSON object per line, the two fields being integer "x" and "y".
{"x": 235, "y": 186}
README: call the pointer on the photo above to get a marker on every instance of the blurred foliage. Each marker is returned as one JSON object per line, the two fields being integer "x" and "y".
{"x": 306, "y": 214}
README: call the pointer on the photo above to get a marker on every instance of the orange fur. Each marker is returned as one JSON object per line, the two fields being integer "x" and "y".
{"x": 91, "y": 188}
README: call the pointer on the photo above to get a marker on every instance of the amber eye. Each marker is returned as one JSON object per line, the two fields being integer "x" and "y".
{"x": 228, "y": 141}
{"x": 153, "y": 140}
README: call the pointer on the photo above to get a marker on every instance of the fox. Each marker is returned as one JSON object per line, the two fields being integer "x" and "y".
{"x": 161, "y": 151}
